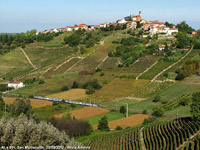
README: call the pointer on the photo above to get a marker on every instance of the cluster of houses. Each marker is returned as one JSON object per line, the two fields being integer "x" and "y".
{"x": 152, "y": 27}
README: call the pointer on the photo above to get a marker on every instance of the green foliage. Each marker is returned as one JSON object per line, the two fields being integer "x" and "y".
{"x": 149, "y": 120}
{"x": 74, "y": 39}
{"x": 75, "y": 85}
{"x": 158, "y": 112}
{"x": 90, "y": 43}
{"x": 144, "y": 111}
{"x": 184, "y": 27}
{"x": 98, "y": 70}
{"x": 23, "y": 133}
{"x": 83, "y": 50}
{"x": 103, "y": 124}
{"x": 90, "y": 90}
{"x": 169, "y": 24}
{"x": 92, "y": 83}
{"x": 195, "y": 106}
{"x": 180, "y": 76}
{"x": 183, "y": 40}
{"x": 74, "y": 128}
{"x": 138, "y": 25}
{"x": 122, "y": 109}
{"x": 65, "y": 88}
{"x": 118, "y": 128}
{"x": 157, "y": 99}
{"x": 20, "y": 106}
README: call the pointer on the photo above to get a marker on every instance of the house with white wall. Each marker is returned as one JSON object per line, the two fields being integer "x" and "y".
{"x": 15, "y": 84}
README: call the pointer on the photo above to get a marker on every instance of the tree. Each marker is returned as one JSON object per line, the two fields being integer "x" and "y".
{"x": 158, "y": 112}
{"x": 184, "y": 27}
{"x": 2, "y": 104}
{"x": 90, "y": 43}
{"x": 65, "y": 88}
{"x": 27, "y": 132}
{"x": 180, "y": 76}
{"x": 169, "y": 24}
{"x": 138, "y": 25}
{"x": 157, "y": 99}
{"x": 19, "y": 106}
{"x": 103, "y": 124}
{"x": 118, "y": 128}
{"x": 195, "y": 106}
{"x": 122, "y": 110}
{"x": 75, "y": 85}
{"x": 83, "y": 50}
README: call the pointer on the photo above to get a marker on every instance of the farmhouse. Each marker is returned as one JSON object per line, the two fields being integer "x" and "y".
{"x": 194, "y": 33}
{"x": 15, "y": 84}
{"x": 122, "y": 21}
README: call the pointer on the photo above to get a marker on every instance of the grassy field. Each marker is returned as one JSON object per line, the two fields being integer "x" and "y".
{"x": 73, "y": 94}
{"x": 64, "y": 75}
{"x": 14, "y": 64}
{"x": 110, "y": 117}
{"x": 118, "y": 88}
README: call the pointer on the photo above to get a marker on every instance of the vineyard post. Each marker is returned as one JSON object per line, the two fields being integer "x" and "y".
{"x": 126, "y": 110}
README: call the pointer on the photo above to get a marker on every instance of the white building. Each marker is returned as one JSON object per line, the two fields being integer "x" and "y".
{"x": 69, "y": 28}
{"x": 122, "y": 21}
{"x": 15, "y": 84}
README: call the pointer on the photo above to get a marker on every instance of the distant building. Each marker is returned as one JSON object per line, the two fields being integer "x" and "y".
{"x": 194, "y": 33}
{"x": 138, "y": 17}
{"x": 122, "y": 21}
{"x": 101, "y": 42}
{"x": 15, "y": 84}
{"x": 161, "y": 47}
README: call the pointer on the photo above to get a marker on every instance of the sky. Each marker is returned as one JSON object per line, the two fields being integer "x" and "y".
{"x": 23, "y": 15}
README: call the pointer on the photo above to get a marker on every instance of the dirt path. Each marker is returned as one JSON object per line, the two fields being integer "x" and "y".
{"x": 81, "y": 60}
{"x": 171, "y": 66}
{"x": 102, "y": 62}
{"x": 66, "y": 62}
{"x": 188, "y": 140}
{"x": 146, "y": 70}
{"x": 28, "y": 58}
{"x": 142, "y": 139}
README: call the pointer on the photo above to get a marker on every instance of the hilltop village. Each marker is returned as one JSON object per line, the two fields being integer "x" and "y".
{"x": 131, "y": 22}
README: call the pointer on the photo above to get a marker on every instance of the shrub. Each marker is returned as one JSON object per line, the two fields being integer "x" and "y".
{"x": 158, "y": 112}
{"x": 156, "y": 99}
{"x": 118, "y": 128}
{"x": 65, "y": 88}
{"x": 144, "y": 111}
{"x": 103, "y": 124}
{"x": 180, "y": 76}
{"x": 98, "y": 70}
{"x": 75, "y": 85}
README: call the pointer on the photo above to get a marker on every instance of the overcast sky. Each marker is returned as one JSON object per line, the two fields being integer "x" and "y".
{"x": 23, "y": 15}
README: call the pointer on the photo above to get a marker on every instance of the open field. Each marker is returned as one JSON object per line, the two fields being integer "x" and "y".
{"x": 34, "y": 102}
{"x": 86, "y": 112}
{"x": 131, "y": 121}
{"x": 72, "y": 94}
{"x": 118, "y": 88}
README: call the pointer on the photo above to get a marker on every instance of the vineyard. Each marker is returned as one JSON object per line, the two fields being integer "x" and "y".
{"x": 178, "y": 134}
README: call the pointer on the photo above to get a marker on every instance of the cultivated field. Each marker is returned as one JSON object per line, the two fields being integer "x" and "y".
{"x": 88, "y": 112}
{"x": 119, "y": 88}
{"x": 126, "y": 122}
{"x": 72, "y": 94}
{"x": 34, "y": 103}
{"x": 14, "y": 64}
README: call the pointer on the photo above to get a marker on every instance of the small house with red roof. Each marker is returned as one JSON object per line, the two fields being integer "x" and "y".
{"x": 15, "y": 84}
